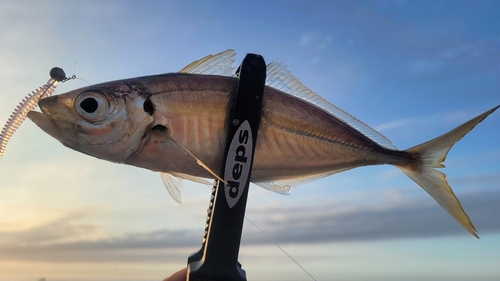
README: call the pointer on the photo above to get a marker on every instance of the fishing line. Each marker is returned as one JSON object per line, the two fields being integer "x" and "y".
{"x": 76, "y": 77}
{"x": 277, "y": 245}
{"x": 283, "y": 250}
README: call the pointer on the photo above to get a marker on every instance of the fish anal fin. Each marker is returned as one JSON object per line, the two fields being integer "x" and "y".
{"x": 278, "y": 187}
{"x": 192, "y": 178}
{"x": 285, "y": 186}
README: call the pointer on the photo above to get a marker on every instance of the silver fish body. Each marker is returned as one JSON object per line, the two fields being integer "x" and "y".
{"x": 295, "y": 140}
{"x": 172, "y": 122}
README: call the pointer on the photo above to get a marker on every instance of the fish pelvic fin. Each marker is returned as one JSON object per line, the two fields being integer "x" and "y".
{"x": 174, "y": 183}
{"x": 429, "y": 156}
{"x": 174, "y": 186}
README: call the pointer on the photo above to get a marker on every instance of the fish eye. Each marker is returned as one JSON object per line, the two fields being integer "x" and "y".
{"x": 92, "y": 105}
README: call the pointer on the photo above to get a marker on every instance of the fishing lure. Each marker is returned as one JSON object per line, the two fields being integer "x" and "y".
{"x": 29, "y": 103}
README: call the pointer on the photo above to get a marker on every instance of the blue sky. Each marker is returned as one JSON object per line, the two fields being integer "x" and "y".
{"x": 410, "y": 69}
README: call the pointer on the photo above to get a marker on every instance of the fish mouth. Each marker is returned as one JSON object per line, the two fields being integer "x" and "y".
{"x": 44, "y": 123}
{"x": 50, "y": 120}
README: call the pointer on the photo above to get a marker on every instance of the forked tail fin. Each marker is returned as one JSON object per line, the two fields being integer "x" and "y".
{"x": 430, "y": 155}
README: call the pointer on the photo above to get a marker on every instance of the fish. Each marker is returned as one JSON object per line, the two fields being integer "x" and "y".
{"x": 175, "y": 124}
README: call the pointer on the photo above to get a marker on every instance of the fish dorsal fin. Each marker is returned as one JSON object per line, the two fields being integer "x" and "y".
{"x": 279, "y": 77}
{"x": 219, "y": 64}
{"x": 174, "y": 184}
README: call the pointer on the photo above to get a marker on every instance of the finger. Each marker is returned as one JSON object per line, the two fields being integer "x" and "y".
{"x": 178, "y": 276}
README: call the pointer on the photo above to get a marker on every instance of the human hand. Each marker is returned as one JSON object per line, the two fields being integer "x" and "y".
{"x": 180, "y": 275}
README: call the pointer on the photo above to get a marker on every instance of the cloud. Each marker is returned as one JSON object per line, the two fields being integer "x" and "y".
{"x": 452, "y": 118}
{"x": 459, "y": 58}
{"x": 67, "y": 228}
{"x": 316, "y": 44}
{"x": 425, "y": 66}
{"x": 65, "y": 239}
{"x": 374, "y": 40}
{"x": 420, "y": 218}
{"x": 395, "y": 124}
{"x": 145, "y": 247}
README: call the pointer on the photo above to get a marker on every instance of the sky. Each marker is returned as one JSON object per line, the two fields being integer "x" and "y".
{"x": 410, "y": 69}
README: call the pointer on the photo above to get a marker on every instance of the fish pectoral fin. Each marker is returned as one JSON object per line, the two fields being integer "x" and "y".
{"x": 198, "y": 161}
{"x": 164, "y": 129}
{"x": 174, "y": 186}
